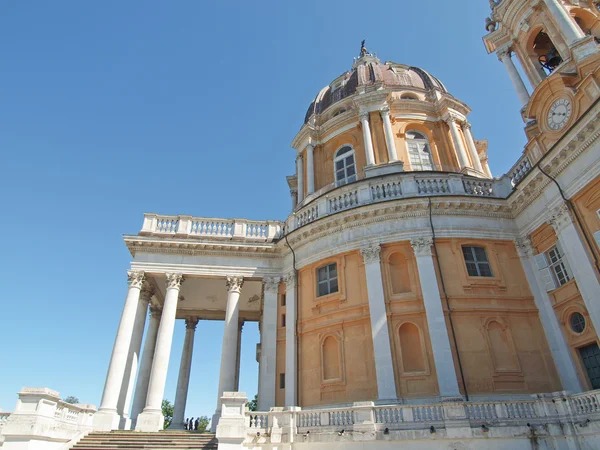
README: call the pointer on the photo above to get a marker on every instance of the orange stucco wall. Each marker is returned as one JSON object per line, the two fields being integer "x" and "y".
{"x": 500, "y": 338}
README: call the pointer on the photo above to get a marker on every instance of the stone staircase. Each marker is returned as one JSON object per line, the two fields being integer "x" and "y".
{"x": 132, "y": 440}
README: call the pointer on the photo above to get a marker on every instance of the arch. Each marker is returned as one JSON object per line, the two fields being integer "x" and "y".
{"x": 409, "y": 96}
{"x": 501, "y": 346}
{"x": 344, "y": 165}
{"x": 543, "y": 52}
{"x": 331, "y": 358}
{"x": 587, "y": 21}
{"x": 419, "y": 150}
{"x": 411, "y": 348}
{"x": 399, "y": 274}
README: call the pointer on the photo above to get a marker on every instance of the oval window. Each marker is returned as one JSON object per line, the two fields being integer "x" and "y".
{"x": 577, "y": 322}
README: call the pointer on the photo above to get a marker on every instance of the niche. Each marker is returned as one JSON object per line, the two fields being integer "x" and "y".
{"x": 413, "y": 359}
{"x": 399, "y": 276}
{"x": 331, "y": 363}
{"x": 502, "y": 348}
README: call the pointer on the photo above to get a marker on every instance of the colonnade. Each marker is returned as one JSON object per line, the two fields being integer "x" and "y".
{"x": 146, "y": 407}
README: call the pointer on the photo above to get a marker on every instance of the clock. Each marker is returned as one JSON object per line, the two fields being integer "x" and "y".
{"x": 559, "y": 114}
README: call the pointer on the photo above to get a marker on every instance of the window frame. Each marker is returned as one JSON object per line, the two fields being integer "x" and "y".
{"x": 328, "y": 280}
{"x": 347, "y": 179}
{"x": 420, "y": 153}
{"x": 558, "y": 268}
{"x": 476, "y": 262}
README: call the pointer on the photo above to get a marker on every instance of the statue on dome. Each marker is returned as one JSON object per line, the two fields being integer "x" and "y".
{"x": 363, "y": 49}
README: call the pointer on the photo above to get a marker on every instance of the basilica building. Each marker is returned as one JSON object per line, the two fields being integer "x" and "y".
{"x": 409, "y": 297}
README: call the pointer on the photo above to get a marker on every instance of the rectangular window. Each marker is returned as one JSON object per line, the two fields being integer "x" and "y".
{"x": 327, "y": 280}
{"x": 283, "y": 320}
{"x": 477, "y": 262}
{"x": 556, "y": 263}
{"x": 282, "y": 299}
{"x": 282, "y": 381}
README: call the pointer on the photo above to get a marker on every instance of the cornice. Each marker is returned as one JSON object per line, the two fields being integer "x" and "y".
{"x": 154, "y": 244}
{"x": 574, "y": 143}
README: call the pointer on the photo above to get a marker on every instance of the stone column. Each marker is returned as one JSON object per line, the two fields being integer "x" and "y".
{"x": 566, "y": 24}
{"x": 107, "y": 417}
{"x": 185, "y": 369}
{"x": 267, "y": 376}
{"x": 364, "y": 120}
{"x": 141, "y": 388}
{"x": 384, "y": 366}
{"x": 579, "y": 260}
{"x": 238, "y": 356}
{"x": 230, "y": 342}
{"x": 300, "y": 178}
{"x": 310, "y": 170}
{"x": 505, "y": 56}
{"x": 290, "y": 340}
{"x": 554, "y": 334}
{"x": 151, "y": 419}
{"x": 436, "y": 322}
{"x": 459, "y": 148}
{"x": 389, "y": 134}
{"x": 466, "y": 126}
{"x": 124, "y": 404}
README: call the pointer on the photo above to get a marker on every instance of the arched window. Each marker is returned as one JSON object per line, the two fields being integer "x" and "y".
{"x": 546, "y": 52}
{"x": 344, "y": 166}
{"x": 419, "y": 151}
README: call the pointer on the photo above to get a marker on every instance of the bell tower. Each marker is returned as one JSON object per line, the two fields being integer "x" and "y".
{"x": 555, "y": 42}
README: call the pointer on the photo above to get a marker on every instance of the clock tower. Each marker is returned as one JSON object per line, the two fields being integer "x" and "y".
{"x": 554, "y": 44}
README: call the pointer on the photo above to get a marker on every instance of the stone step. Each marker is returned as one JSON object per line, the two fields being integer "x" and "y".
{"x": 131, "y": 440}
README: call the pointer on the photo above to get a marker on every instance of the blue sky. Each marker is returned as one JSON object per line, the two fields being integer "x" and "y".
{"x": 112, "y": 109}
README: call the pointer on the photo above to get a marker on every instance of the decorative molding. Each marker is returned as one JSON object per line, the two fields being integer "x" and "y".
{"x": 290, "y": 280}
{"x": 174, "y": 280}
{"x": 191, "y": 323}
{"x": 271, "y": 285}
{"x": 371, "y": 253}
{"x": 422, "y": 246}
{"x": 524, "y": 247}
{"x": 364, "y": 116}
{"x": 135, "y": 278}
{"x": 234, "y": 284}
{"x": 560, "y": 217}
{"x": 384, "y": 110}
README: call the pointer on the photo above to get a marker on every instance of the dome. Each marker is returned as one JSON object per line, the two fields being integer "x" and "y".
{"x": 367, "y": 71}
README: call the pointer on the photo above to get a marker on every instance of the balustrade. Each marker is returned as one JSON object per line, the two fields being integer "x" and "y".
{"x": 433, "y": 185}
{"x": 585, "y": 403}
{"x": 343, "y": 201}
{"x": 519, "y": 170}
{"x": 479, "y": 187}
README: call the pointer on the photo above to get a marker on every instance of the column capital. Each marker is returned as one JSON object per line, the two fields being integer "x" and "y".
{"x": 364, "y": 115}
{"x": 524, "y": 246}
{"x": 370, "y": 253}
{"x": 147, "y": 292}
{"x": 503, "y": 53}
{"x": 384, "y": 110}
{"x": 451, "y": 119}
{"x": 136, "y": 278}
{"x": 234, "y": 283}
{"x": 191, "y": 322}
{"x": 174, "y": 280}
{"x": 290, "y": 279}
{"x": 560, "y": 217}
{"x": 155, "y": 311}
{"x": 465, "y": 125}
{"x": 310, "y": 146}
{"x": 270, "y": 284}
{"x": 422, "y": 246}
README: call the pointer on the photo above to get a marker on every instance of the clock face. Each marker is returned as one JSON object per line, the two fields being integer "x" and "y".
{"x": 559, "y": 114}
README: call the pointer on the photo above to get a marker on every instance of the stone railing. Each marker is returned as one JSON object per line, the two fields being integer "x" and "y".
{"x": 214, "y": 229}
{"x": 40, "y": 415}
{"x": 519, "y": 170}
{"x": 395, "y": 186}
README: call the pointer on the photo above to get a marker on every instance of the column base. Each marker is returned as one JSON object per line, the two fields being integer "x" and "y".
{"x": 106, "y": 421}
{"x": 150, "y": 421}
{"x": 215, "y": 421}
{"x": 125, "y": 423}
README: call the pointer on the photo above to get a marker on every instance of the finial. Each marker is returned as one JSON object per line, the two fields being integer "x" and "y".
{"x": 490, "y": 25}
